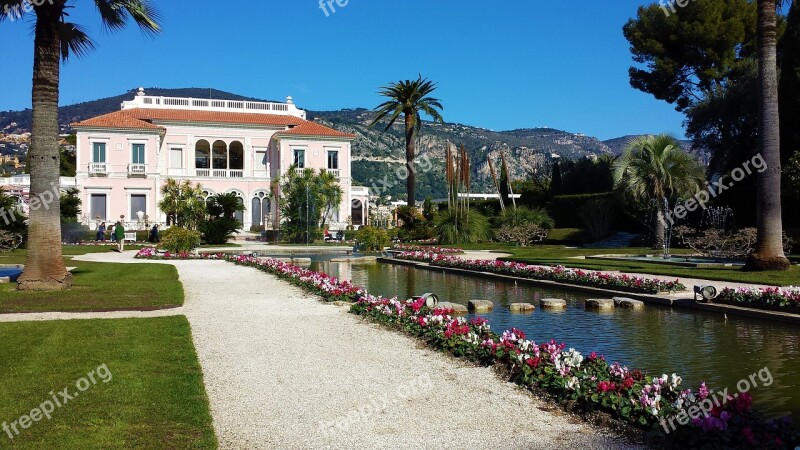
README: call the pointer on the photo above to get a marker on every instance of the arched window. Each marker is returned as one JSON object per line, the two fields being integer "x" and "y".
{"x": 261, "y": 207}
{"x": 202, "y": 155}
{"x": 220, "y": 155}
{"x": 236, "y": 152}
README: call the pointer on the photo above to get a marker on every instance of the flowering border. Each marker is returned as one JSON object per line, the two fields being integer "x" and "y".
{"x": 151, "y": 253}
{"x": 437, "y": 250}
{"x": 581, "y": 383}
{"x": 776, "y": 298}
{"x": 559, "y": 274}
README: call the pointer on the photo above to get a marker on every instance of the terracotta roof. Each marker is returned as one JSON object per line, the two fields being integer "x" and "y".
{"x": 314, "y": 129}
{"x": 143, "y": 118}
{"x": 119, "y": 119}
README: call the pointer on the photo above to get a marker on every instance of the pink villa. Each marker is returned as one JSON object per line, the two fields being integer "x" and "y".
{"x": 240, "y": 147}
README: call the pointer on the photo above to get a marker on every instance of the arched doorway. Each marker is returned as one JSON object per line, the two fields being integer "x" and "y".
{"x": 261, "y": 208}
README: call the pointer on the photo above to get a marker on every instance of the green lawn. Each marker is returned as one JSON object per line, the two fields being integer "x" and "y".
{"x": 150, "y": 396}
{"x": 98, "y": 287}
{"x": 557, "y": 254}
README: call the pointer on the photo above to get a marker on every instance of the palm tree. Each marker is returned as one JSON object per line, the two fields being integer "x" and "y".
{"x": 183, "y": 203}
{"x": 55, "y": 40}
{"x": 768, "y": 254}
{"x": 409, "y": 97}
{"x": 655, "y": 170}
{"x": 331, "y": 194}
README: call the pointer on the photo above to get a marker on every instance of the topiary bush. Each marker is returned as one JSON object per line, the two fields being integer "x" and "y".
{"x": 179, "y": 240}
{"x": 372, "y": 239}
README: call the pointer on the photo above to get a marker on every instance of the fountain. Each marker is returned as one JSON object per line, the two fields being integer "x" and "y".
{"x": 720, "y": 218}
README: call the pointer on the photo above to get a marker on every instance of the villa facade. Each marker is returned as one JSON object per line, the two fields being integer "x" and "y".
{"x": 240, "y": 147}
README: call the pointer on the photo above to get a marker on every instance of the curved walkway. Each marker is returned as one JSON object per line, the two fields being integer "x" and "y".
{"x": 283, "y": 370}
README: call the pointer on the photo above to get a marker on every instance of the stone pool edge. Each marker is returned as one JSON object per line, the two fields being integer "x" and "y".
{"x": 660, "y": 300}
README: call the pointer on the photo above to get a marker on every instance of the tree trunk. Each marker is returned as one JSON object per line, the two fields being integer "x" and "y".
{"x": 768, "y": 254}
{"x": 44, "y": 266}
{"x": 411, "y": 149}
{"x": 659, "y": 227}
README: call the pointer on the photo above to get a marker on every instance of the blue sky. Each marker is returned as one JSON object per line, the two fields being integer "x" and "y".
{"x": 499, "y": 65}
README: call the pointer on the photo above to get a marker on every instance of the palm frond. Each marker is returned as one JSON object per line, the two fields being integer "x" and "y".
{"x": 11, "y": 10}
{"x": 115, "y": 14}
{"x": 74, "y": 40}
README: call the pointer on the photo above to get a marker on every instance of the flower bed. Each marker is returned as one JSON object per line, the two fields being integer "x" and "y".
{"x": 327, "y": 287}
{"x": 581, "y": 383}
{"x": 152, "y": 253}
{"x": 437, "y": 250}
{"x": 560, "y": 274}
{"x": 765, "y": 298}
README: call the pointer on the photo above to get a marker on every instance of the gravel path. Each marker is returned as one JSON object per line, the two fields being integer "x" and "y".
{"x": 283, "y": 370}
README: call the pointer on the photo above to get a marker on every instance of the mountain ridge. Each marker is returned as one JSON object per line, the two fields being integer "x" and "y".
{"x": 377, "y": 154}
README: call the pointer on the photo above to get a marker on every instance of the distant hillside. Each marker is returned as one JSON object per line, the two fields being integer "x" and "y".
{"x": 378, "y": 155}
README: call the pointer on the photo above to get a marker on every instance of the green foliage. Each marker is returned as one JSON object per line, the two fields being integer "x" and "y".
{"x": 183, "y": 203}
{"x": 372, "y": 239}
{"x": 221, "y": 223}
{"x": 789, "y": 94}
{"x": 67, "y": 163}
{"x": 691, "y": 52}
{"x": 70, "y": 205}
{"x": 179, "y": 240}
{"x": 413, "y": 224}
{"x": 304, "y": 199}
{"x": 12, "y": 221}
{"x": 519, "y": 216}
{"x": 655, "y": 167}
{"x": 792, "y": 173}
{"x": 458, "y": 228}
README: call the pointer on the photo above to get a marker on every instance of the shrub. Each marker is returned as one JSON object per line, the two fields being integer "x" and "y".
{"x": 179, "y": 240}
{"x": 413, "y": 225}
{"x": 720, "y": 243}
{"x": 523, "y": 235}
{"x": 459, "y": 229}
{"x": 514, "y": 217}
{"x": 373, "y": 239}
{"x": 217, "y": 230}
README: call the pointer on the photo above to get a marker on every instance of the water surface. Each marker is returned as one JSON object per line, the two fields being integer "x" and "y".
{"x": 698, "y": 346}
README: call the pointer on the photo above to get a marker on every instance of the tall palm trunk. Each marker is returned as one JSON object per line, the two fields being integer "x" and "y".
{"x": 768, "y": 254}
{"x": 44, "y": 267}
{"x": 411, "y": 181}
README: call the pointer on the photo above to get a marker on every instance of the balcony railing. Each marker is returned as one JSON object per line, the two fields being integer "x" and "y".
{"x": 334, "y": 172}
{"x": 137, "y": 170}
{"x": 219, "y": 173}
{"x": 300, "y": 170}
{"x": 97, "y": 168}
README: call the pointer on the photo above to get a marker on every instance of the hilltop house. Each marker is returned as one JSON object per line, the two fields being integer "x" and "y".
{"x": 240, "y": 147}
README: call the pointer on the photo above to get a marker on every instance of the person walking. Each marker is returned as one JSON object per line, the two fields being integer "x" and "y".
{"x": 101, "y": 232}
{"x": 119, "y": 233}
{"x": 154, "y": 237}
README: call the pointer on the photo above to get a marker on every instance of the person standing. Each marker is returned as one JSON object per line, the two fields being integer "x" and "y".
{"x": 119, "y": 233}
{"x": 154, "y": 238}
{"x": 101, "y": 232}
{"x": 111, "y": 234}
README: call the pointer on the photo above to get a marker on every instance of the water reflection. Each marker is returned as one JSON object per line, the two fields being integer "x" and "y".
{"x": 698, "y": 346}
